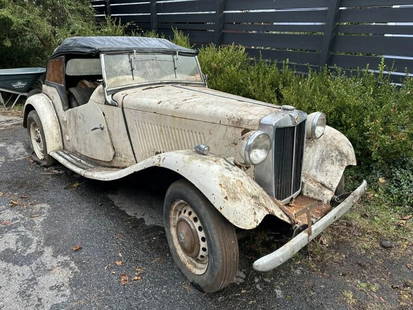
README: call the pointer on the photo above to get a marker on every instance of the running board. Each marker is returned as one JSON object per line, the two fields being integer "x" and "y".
{"x": 85, "y": 168}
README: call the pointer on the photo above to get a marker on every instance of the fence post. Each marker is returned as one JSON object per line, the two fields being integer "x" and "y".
{"x": 107, "y": 7}
{"x": 154, "y": 16}
{"x": 329, "y": 31}
{"x": 219, "y": 21}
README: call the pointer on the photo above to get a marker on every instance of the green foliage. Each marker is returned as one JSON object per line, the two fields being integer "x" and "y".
{"x": 31, "y": 29}
{"x": 400, "y": 187}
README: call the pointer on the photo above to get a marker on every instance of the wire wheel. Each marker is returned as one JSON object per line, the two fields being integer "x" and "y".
{"x": 188, "y": 237}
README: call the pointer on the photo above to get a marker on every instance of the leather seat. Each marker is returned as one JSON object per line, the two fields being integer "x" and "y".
{"x": 79, "y": 95}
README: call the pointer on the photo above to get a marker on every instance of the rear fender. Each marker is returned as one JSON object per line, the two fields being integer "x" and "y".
{"x": 51, "y": 127}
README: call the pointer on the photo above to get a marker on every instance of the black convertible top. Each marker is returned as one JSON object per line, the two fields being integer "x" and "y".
{"x": 96, "y": 45}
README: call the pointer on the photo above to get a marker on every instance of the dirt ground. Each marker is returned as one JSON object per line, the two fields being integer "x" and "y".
{"x": 71, "y": 243}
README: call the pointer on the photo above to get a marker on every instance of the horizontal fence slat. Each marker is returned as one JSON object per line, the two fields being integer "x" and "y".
{"x": 271, "y": 27}
{"x": 349, "y": 61}
{"x": 364, "y": 3}
{"x": 284, "y": 16}
{"x": 233, "y": 5}
{"x": 192, "y": 26}
{"x": 116, "y": 2}
{"x": 374, "y": 45}
{"x": 186, "y": 18}
{"x": 196, "y": 37}
{"x": 292, "y": 57}
{"x": 191, "y": 6}
{"x": 130, "y": 9}
{"x": 377, "y": 15}
{"x": 375, "y": 29}
{"x": 307, "y": 42}
{"x": 133, "y": 19}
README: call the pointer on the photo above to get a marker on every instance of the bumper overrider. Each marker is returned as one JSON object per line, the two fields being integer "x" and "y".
{"x": 284, "y": 253}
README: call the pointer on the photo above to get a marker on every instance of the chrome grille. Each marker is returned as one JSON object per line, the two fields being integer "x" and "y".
{"x": 288, "y": 158}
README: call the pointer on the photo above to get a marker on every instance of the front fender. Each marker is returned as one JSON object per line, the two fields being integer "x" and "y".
{"x": 51, "y": 127}
{"x": 229, "y": 189}
{"x": 325, "y": 160}
{"x": 236, "y": 195}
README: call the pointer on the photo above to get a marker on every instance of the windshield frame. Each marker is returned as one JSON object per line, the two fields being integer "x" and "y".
{"x": 113, "y": 90}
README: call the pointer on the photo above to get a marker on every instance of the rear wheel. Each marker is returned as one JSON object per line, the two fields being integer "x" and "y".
{"x": 202, "y": 242}
{"x": 37, "y": 140}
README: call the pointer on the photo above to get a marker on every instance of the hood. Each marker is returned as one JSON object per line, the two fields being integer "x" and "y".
{"x": 196, "y": 103}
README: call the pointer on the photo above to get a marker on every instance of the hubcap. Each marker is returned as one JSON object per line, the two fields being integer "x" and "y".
{"x": 188, "y": 237}
{"x": 36, "y": 139}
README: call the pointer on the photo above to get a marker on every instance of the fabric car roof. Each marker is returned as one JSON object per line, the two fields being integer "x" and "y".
{"x": 96, "y": 45}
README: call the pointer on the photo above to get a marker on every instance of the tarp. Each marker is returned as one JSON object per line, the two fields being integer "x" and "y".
{"x": 96, "y": 45}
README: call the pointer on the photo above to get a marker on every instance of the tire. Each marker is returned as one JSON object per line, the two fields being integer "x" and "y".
{"x": 37, "y": 140}
{"x": 206, "y": 250}
{"x": 340, "y": 190}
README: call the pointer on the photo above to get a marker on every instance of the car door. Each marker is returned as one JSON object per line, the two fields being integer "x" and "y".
{"x": 87, "y": 132}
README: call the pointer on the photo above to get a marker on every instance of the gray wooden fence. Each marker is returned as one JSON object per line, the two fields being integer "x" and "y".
{"x": 309, "y": 33}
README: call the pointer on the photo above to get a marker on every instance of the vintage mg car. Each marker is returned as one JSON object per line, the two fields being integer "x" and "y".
{"x": 114, "y": 106}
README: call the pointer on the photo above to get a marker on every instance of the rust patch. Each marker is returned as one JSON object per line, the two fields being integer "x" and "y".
{"x": 303, "y": 209}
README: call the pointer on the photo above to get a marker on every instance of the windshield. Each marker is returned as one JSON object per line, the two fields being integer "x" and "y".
{"x": 130, "y": 69}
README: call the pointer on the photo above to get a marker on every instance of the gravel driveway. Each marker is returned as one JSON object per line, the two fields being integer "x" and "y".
{"x": 71, "y": 243}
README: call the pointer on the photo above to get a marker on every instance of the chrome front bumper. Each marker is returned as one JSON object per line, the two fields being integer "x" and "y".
{"x": 288, "y": 250}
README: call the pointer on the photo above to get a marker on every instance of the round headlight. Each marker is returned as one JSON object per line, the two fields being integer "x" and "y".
{"x": 316, "y": 125}
{"x": 256, "y": 147}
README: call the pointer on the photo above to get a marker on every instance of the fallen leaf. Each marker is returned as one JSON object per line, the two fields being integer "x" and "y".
{"x": 76, "y": 248}
{"x": 6, "y": 223}
{"x": 13, "y": 203}
{"x": 124, "y": 279}
{"x": 382, "y": 180}
{"x": 24, "y": 196}
{"x": 137, "y": 278}
{"x": 407, "y": 217}
{"x": 73, "y": 185}
{"x": 119, "y": 263}
{"x": 1, "y": 194}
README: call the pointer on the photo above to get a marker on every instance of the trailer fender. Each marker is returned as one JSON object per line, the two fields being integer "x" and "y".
{"x": 51, "y": 127}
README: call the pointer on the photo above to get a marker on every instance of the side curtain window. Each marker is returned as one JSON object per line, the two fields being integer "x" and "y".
{"x": 56, "y": 70}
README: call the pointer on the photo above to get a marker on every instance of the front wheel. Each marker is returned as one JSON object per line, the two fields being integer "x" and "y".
{"x": 202, "y": 242}
{"x": 37, "y": 140}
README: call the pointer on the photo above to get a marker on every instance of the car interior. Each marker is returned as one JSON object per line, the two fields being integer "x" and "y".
{"x": 83, "y": 76}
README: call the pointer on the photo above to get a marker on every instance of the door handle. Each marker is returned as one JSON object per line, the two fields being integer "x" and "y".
{"x": 97, "y": 128}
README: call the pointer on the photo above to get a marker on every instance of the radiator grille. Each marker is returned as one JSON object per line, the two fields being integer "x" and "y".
{"x": 288, "y": 160}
